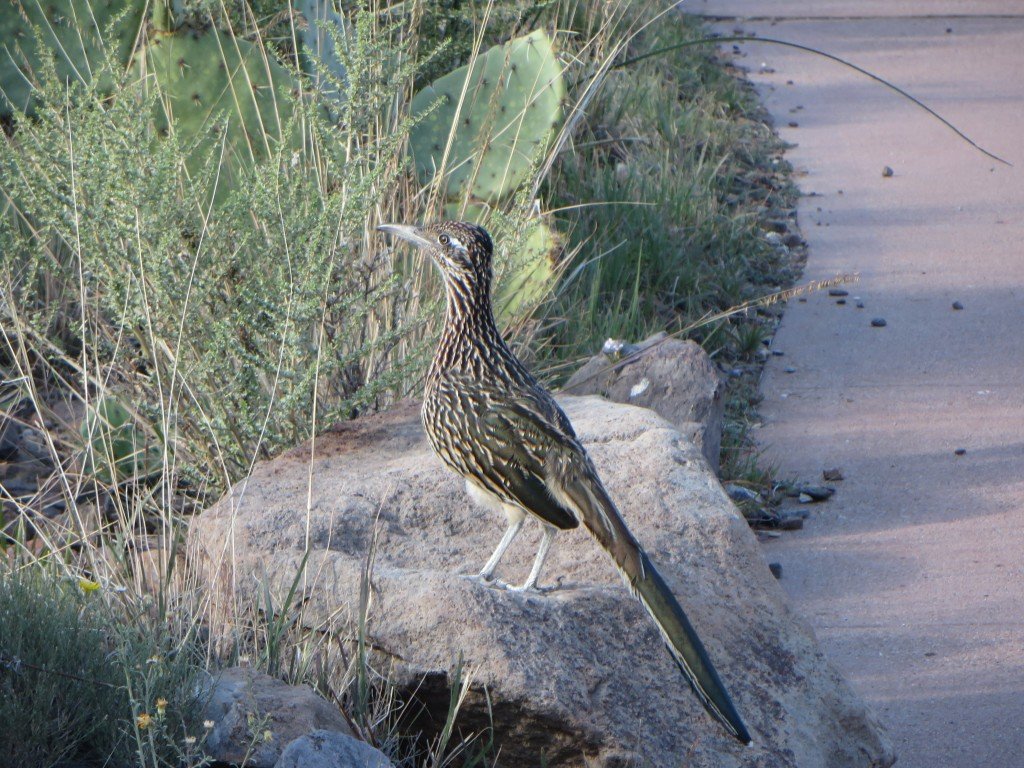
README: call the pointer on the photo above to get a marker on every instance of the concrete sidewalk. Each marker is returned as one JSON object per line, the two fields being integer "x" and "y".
{"x": 913, "y": 574}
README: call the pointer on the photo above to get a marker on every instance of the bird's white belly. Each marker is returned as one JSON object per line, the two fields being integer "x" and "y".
{"x": 492, "y": 503}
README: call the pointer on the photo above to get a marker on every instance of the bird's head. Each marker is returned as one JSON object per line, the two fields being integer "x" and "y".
{"x": 462, "y": 251}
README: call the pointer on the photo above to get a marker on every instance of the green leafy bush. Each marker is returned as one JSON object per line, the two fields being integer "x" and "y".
{"x": 74, "y": 682}
{"x": 233, "y": 330}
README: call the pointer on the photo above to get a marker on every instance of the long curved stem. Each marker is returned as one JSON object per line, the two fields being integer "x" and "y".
{"x": 832, "y": 57}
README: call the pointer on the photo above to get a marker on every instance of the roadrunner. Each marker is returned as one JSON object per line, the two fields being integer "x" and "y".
{"x": 490, "y": 420}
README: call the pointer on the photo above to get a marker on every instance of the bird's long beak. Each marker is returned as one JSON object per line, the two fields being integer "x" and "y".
{"x": 413, "y": 234}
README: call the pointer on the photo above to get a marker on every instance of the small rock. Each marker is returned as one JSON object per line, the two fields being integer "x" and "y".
{"x": 802, "y": 299}
{"x": 778, "y": 352}
{"x": 54, "y": 509}
{"x": 742, "y": 493}
{"x": 790, "y": 369}
{"x": 9, "y": 437}
{"x": 957, "y": 305}
{"x": 792, "y": 240}
{"x": 776, "y": 569}
{"x": 616, "y": 349}
{"x": 887, "y": 172}
{"x": 773, "y": 238}
{"x": 805, "y": 498}
{"x": 960, "y": 451}
{"x": 20, "y": 485}
{"x": 841, "y": 301}
{"x": 878, "y": 322}
{"x": 791, "y": 523}
{"x": 832, "y": 474}
{"x": 672, "y": 377}
{"x": 794, "y": 124}
{"x": 860, "y": 305}
{"x": 816, "y": 492}
{"x": 763, "y": 518}
{"x": 838, "y": 292}
{"x": 331, "y": 749}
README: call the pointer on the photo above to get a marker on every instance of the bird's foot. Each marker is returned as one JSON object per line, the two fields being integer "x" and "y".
{"x": 484, "y": 580}
{"x": 532, "y": 589}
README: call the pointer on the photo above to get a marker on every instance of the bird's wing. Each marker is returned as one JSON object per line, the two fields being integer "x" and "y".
{"x": 520, "y": 440}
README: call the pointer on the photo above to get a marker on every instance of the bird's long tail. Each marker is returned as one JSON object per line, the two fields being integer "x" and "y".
{"x": 601, "y": 517}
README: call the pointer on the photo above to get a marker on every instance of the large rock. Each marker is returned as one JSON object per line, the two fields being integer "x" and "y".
{"x": 580, "y": 675}
{"x": 674, "y": 378}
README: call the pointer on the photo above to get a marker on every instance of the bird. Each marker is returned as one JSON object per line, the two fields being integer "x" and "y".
{"x": 490, "y": 421}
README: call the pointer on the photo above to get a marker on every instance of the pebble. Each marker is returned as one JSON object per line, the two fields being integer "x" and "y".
{"x": 776, "y": 569}
{"x": 9, "y": 438}
{"x": 805, "y": 498}
{"x": 54, "y": 509}
{"x": 878, "y": 322}
{"x": 742, "y": 493}
{"x": 838, "y": 292}
{"x": 794, "y": 124}
{"x": 960, "y": 451}
{"x": 792, "y": 240}
{"x": 957, "y": 305}
{"x": 778, "y": 352}
{"x": 762, "y": 518}
{"x": 887, "y": 172}
{"x": 841, "y": 301}
{"x": 860, "y": 305}
{"x": 794, "y": 523}
{"x": 815, "y": 492}
{"x": 832, "y": 474}
{"x": 790, "y": 369}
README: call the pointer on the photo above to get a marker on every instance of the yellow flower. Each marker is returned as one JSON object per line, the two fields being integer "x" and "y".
{"x": 88, "y": 585}
{"x": 144, "y": 720}
{"x": 161, "y": 706}
{"x": 268, "y": 735}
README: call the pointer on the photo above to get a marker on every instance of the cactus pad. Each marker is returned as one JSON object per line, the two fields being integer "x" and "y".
{"x": 72, "y": 33}
{"x": 206, "y": 78}
{"x": 115, "y": 448}
{"x": 527, "y": 275}
{"x": 319, "y": 49}
{"x": 511, "y": 107}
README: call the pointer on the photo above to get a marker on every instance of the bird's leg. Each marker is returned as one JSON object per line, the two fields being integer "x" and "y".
{"x": 530, "y": 585}
{"x": 510, "y": 533}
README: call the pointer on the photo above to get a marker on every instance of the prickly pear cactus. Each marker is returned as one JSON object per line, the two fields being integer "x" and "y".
{"x": 205, "y": 78}
{"x": 511, "y": 107}
{"x": 74, "y": 34}
{"x": 528, "y": 273}
{"x": 115, "y": 448}
{"x": 319, "y": 51}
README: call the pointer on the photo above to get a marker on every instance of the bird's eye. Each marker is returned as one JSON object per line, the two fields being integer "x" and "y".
{"x": 443, "y": 239}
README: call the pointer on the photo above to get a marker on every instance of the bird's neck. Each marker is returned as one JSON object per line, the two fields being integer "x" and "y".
{"x": 470, "y": 336}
